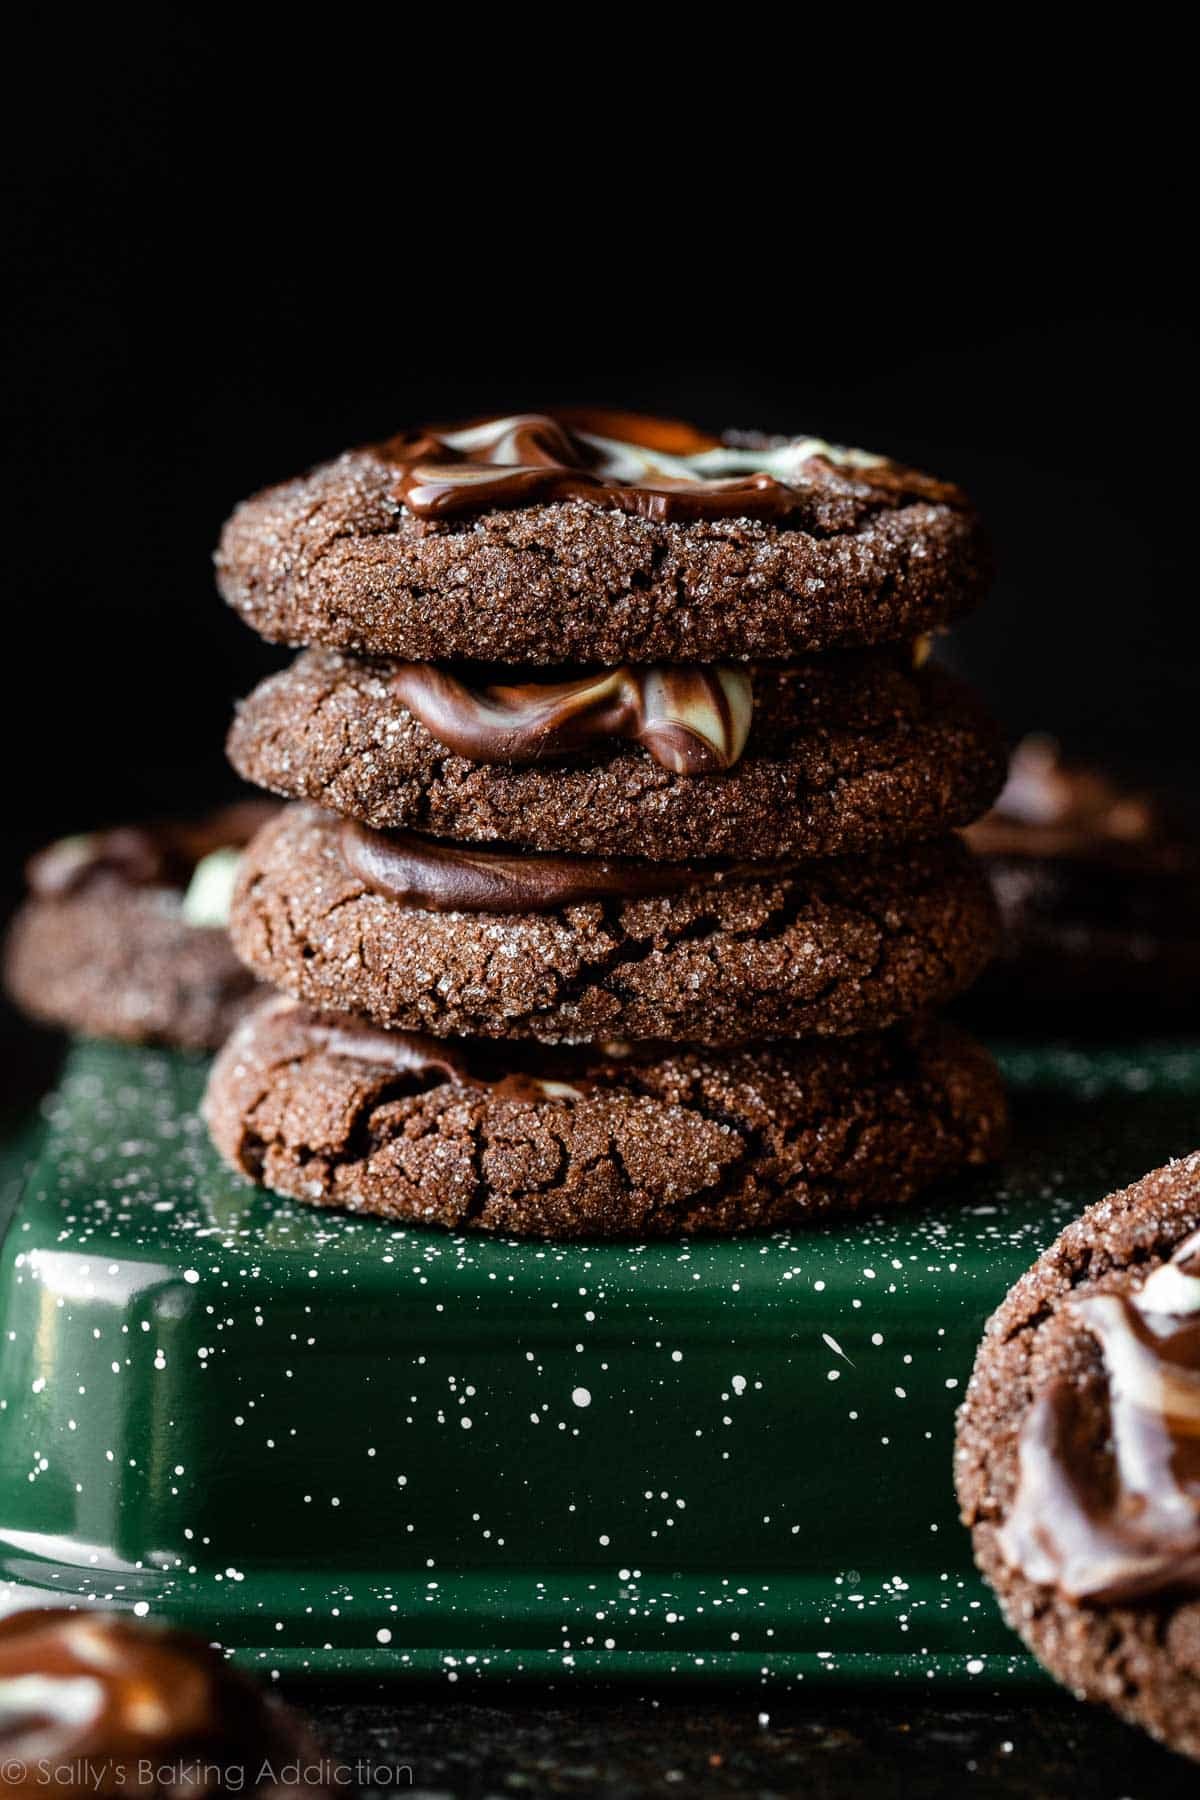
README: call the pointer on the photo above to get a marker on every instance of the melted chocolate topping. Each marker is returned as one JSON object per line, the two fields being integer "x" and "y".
{"x": 693, "y": 721}
{"x": 414, "y": 1053}
{"x": 403, "y": 1052}
{"x": 444, "y": 877}
{"x": 658, "y": 468}
{"x": 1121, "y": 1533}
{"x": 81, "y": 1687}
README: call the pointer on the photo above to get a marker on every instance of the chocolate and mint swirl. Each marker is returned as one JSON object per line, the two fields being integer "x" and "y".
{"x": 1119, "y": 1525}
{"x": 657, "y": 468}
{"x": 637, "y": 465}
{"x": 691, "y": 720}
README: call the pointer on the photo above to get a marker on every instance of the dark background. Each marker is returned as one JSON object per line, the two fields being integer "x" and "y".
{"x": 222, "y": 274}
{"x": 226, "y": 260}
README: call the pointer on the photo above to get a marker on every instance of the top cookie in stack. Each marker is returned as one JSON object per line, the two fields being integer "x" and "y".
{"x": 600, "y": 537}
{"x": 633, "y": 740}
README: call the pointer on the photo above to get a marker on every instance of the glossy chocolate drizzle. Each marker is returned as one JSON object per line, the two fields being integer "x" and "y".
{"x": 691, "y": 720}
{"x": 1124, "y": 1534}
{"x": 82, "y": 1687}
{"x": 437, "y": 876}
{"x": 417, "y": 1054}
{"x": 657, "y": 468}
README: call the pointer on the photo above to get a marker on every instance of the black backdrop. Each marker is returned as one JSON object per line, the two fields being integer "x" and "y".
{"x": 213, "y": 291}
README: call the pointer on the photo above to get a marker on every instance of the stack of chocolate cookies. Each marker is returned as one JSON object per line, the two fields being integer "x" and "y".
{"x": 621, "y": 883}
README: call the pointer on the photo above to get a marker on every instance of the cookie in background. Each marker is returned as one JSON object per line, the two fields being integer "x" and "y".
{"x": 123, "y": 933}
{"x": 1098, "y": 887}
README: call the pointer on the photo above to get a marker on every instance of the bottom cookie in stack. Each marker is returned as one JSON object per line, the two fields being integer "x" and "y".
{"x": 594, "y": 1142}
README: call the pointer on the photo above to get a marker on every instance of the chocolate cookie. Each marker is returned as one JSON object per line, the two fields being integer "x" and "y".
{"x": 838, "y": 755}
{"x": 1099, "y": 894}
{"x": 95, "y": 1702}
{"x": 1078, "y": 1460}
{"x": 124, "y": 933}
{"x": 418, "y": 933}
{"x": 600, "y": 538}
{"x": 544, "y": 1143}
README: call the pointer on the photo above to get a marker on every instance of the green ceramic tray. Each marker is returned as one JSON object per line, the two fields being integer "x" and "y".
{"x": 341, "y": 1447}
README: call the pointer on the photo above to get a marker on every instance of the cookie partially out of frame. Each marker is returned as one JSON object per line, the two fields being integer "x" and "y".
{"x": 90, "y": 1699}
{"x": 124, "y": 934}
{"x": 860, "y": 551}
{"x": 829, "y": 949}
{"x": 844, "y": 754}
{"x": 1078, "y": 1457}
{"x": 584, "y": 1144}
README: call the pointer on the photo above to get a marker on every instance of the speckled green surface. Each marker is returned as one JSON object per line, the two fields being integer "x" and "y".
{"x": 341, "y": 1447}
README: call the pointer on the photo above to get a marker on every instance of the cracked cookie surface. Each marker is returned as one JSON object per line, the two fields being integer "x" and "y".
{"x": 334, "y": 558}
{"x": 667, "y": 1141}
{"x": 831, "y": 949}
{"x": 845, "y": 755}
{"x": 1141, "y": 1656}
